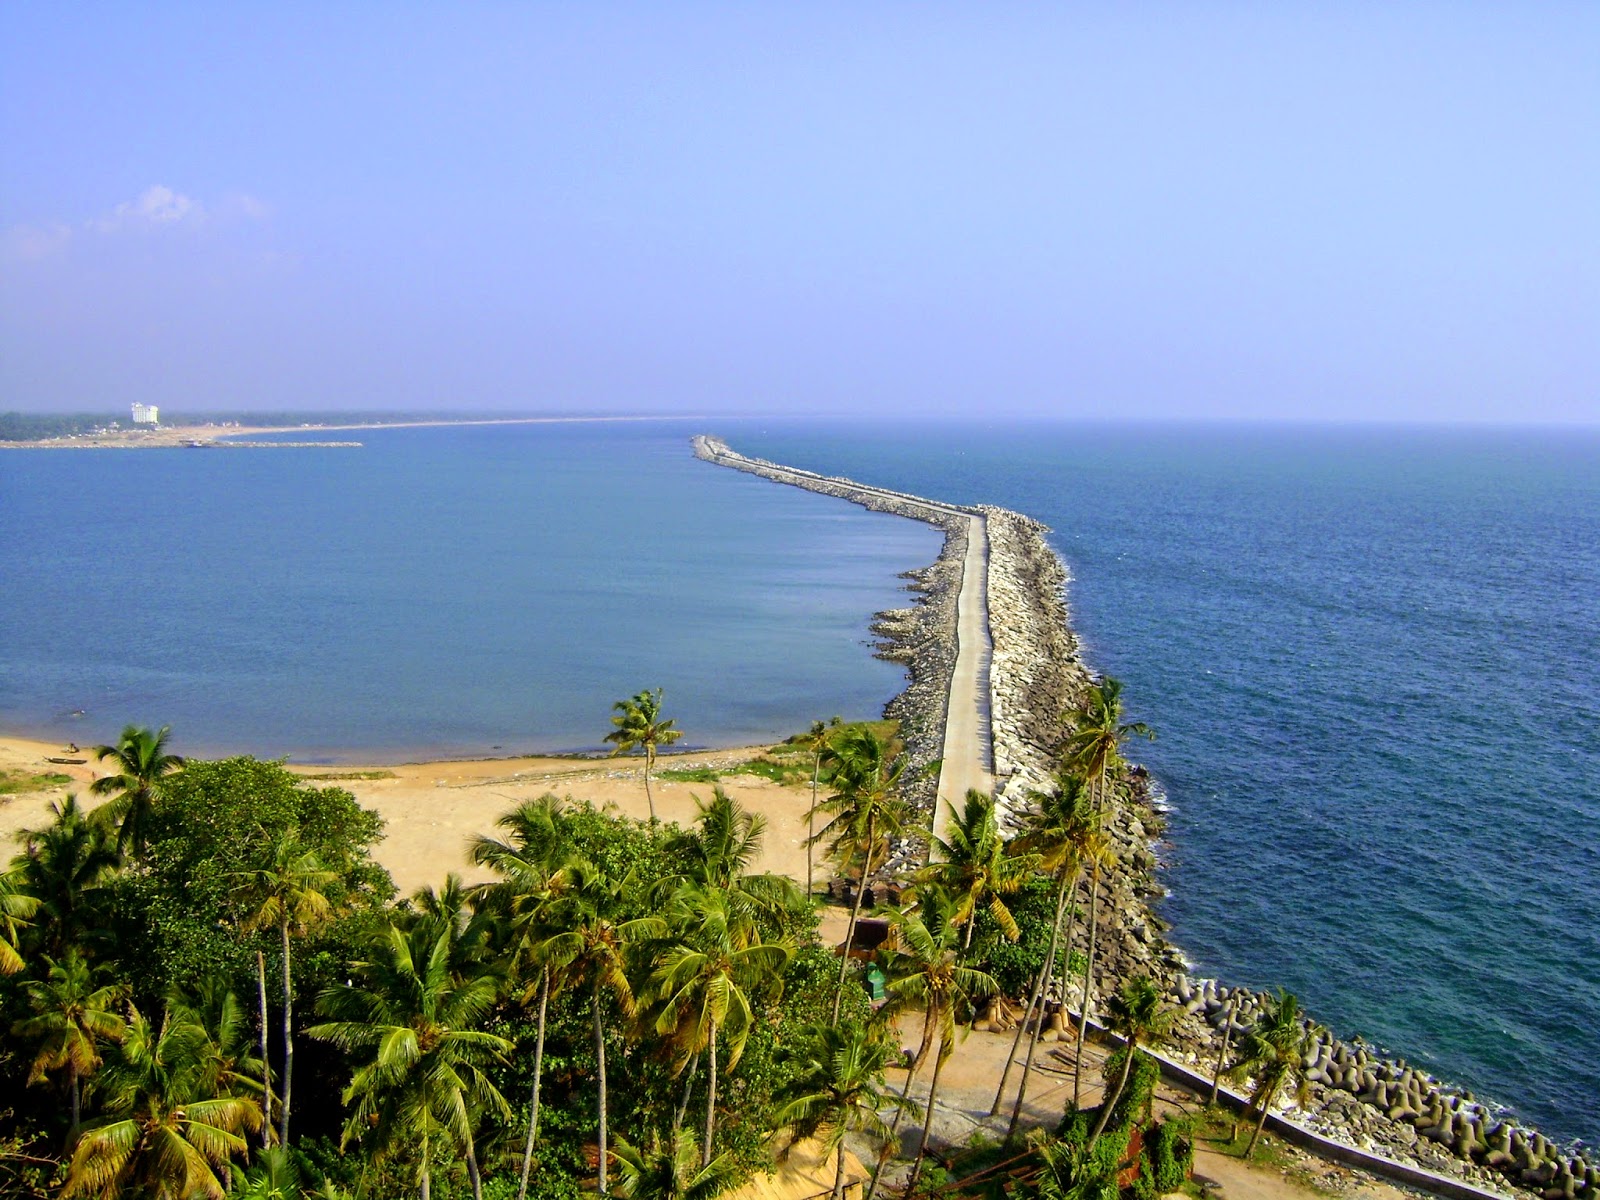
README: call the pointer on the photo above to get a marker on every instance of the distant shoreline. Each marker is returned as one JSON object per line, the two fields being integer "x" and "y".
{"x": 167, "y": 437}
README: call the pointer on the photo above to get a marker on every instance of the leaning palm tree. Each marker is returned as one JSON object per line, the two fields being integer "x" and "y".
{"x": 865, "y": 813}
{"x": 163, "y": 1135}
{"x": 640, "y": 726}
{"x": 588, "y": 948}
{"x": 837, "y": 1089}
{"x": 72, "y": 1017}
{"x": 971, "y": 863}
{"x": 534, "y": 863}
{"x": 923, "y": 973}
{"x": 1136, "y": 1012}
{"x": 1275, "y": 1052}
{"x": 421, "y": 1080}
{"x": 1101, "y": 857}
{"x": 1061, "y": 831}
{"x": 816, "y": 740}
{"x": 289, "y": 895}
{"x": 705, "y": 981}
{"x": 671, "y": 1172}
{"x": 140, "y": 762}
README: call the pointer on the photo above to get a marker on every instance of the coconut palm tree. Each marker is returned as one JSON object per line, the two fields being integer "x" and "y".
{"x": 1274, "y": 1053}
{"x": 533, "y": 862}
{"x": 140, "y": 762}
{"x": 1061, "y": 830}
{"x": 16, "y": 906}
{"x": 865, "y": 814}
{"x": 164, "y": 1135}
{"x": 587, "y": 947}
{"x": 289, "y": 895}
{"x": 63, "y": 866}
{"x": 837, "y": 1088}
{"x": 420, "y": 1082}
{"x": 815, "y": 740}
{"x": 671, "y": 1172}
{"x": 1071, "y": 1172}
{"x": 640, "y": 725}
{"x": 71, "y": 1018}
{"x": 230, "y": 1067}
{"x": 1102, "y": 858}
{"x": 1136, "y": 1012}
{"x": 716, "y": 854}
{"x": 1097, "y": 732}
{"x": 923, "y": 973}
{"x": 705, "y": 981}
{"x": 972, "y": 864}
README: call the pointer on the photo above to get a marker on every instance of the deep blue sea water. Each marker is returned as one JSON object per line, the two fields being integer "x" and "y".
{"x": 1372, "y": 655}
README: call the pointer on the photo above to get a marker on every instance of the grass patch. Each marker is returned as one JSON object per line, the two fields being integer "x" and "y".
{"x": 691, "y": 774}
{"x": 16, "y": 783}
{"x": 337, "y": 775}
{"x": 1214, "y": 1126}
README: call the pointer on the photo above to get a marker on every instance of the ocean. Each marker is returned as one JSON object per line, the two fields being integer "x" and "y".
{"x": 1371, "y": 655}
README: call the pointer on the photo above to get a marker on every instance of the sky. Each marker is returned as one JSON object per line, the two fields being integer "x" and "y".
{"x": 1366, "y": 211}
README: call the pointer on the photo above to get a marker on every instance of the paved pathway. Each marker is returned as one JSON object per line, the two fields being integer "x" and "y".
{"x": 967, "y": 755}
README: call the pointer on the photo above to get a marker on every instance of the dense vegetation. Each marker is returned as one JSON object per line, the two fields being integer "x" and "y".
{"x": 208, "y": 987}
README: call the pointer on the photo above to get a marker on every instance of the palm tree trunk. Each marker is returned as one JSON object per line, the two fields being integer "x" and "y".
{"x": 288, "y": 1040}
{"x": 77, "y": 1104}
{"x": 1227, "y": 1036}
{"x": 855, "y": 914}
{"x": 1107, "y": 1103}
{"x": 426, "y": 1176}
{"x": 683, "y": 1105}
{"x": 811, "y": 832}
{"x": 1088, "y": 975}
{"x": 538, "y": 1068}
{"x": 1268, "y": 1095}
{"x": 838, "y": 1172}
{"x": 711, "y": 1099}
{"x": 927, "y": 1123}
{"x": 649, "y": 758}
{"x": 473, "y": 1173}
{"x": 905, "y": 1094}
{"x": 1049, "y": 972}
{"x": 266, "y": 1068}
{"x": 600, "y": 1058}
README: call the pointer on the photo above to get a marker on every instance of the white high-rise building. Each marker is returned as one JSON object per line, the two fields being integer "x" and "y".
{"x": 144, "y": 414}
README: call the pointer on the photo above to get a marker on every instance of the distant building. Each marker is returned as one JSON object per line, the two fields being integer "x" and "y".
{"x": 144, "y": 414}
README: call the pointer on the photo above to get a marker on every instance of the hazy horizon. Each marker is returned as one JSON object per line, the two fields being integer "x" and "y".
{"x": 1313, "y": 212}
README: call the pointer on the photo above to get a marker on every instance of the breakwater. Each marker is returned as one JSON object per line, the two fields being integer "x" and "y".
{"x": 1378, "y": 1104}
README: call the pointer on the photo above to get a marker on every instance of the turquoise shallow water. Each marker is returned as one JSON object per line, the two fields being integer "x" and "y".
{"x": 1371, "y": 656}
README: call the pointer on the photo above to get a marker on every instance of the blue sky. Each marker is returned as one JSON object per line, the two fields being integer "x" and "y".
{"x": 1309, "y": 211}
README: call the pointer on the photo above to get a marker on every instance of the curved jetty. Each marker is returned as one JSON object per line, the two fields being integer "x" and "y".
{"x": 993, "y": 665}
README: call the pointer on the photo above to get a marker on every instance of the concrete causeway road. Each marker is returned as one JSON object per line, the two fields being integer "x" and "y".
{"x": 967, "y": 758}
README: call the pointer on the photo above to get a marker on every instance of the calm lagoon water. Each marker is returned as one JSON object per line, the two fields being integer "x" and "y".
{"x": 1372, "y": 656}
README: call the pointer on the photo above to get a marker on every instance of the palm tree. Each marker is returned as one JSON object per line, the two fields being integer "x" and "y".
{"x": 1275, "y": 1052}
{"x": 16, "y": 906}
{"x": 71, "y": 1016}
{"x": 164, "y": 1134}
{"x": 815, "y": 740}
{"x": 1102, "y": 858}
{"x": 639, "y": 725}
{"x": 865, "y": 814}
{"x": 63, "y": 866}
{"x": 971, "y": 863}
{"x": 140, "y": 761}
{"x": 534, "y": 864}
{"x": 290, "y": 895}
{"x": 837, "y": 1088}
{"x": 1136, "y": 1012}
{"x": 1062, "y": 830}
{"x": 922, "y": 970}
{"x": 1098, "y": 729}
{"x": 1071, "y": 1172}
{"x": 717, "y": 852}
{"x": 230, "y": 1067}
{"x": 706, "y": 979}
{"x": 421, "y": 1079}
{"x": 588, "y": 948}
{"x": 671, "y": 1172}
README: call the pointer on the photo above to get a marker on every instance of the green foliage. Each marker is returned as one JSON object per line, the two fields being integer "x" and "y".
{"x": 1134, "y": 1103}
{"x": 1015, "y": 965}
{"x": 1169, "y": 1149}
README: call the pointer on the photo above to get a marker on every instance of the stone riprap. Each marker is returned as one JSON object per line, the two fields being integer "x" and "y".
{"x": 1388, "y": 1107}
